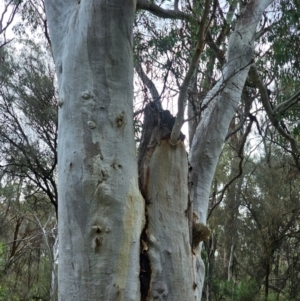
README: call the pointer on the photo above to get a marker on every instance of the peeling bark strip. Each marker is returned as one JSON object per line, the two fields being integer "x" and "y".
{"x": 169, "y": 246}
{"x": 165, "y": 246}
{"x": 158, "y": 124}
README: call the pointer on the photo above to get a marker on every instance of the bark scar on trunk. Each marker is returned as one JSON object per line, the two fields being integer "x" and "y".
{"x": 157, "y": 128}
{"x": 158, "y": 124}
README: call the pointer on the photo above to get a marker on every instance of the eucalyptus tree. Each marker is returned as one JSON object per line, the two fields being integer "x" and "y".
{"x": 130, "y": 236}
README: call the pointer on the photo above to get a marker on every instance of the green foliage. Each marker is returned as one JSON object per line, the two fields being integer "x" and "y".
{"x": 28, "y": 119}
{"x": 247, "y": 290}
{"x": 259, "y": 217}
{"x": 285, "y": 37}
{"x": 28, "y": 134}
{"x": 242, "y": 291}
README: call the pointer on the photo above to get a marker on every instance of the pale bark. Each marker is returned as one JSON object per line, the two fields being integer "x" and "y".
{"x": 101, "y": 210}
{"x": 221, "y": 102}
{"x": 166, "y": 241}
{"x": 230, "y": 263}
{"x": 193, "y": 109}
{"x": 54, "y": 274}
{"x": 168, "y": 228}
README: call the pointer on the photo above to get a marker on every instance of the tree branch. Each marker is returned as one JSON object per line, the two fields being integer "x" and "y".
{"x": 10, "y": 19}
{"x": 176, "y": 5}
{"x": 284, "y": 106}
{"x": 182, "y": 99}
{"x": 148, "y": 82}
{"x": 42, "y": 19}
{"x": 241, "y": 156}
{"x": 163, "y": 13}
{"x": 255, "y": 78}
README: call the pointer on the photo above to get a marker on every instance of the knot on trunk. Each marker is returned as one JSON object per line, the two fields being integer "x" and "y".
{"x": 200, "y": 233}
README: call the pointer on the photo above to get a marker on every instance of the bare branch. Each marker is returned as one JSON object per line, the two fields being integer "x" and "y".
{"x": 148, "y": 82}
{"x": 240, "y": 172}
{"x": 13, "y": 12}
{"x": 42, "y": 19}
{"x": 163, "y": 13}
{"x": 284, "y": 106}
{"x": 260, "y": 33}
{"x": 255, "y": 78}
{"x": 214, "y": 47}
{"x": 182, "y": 99}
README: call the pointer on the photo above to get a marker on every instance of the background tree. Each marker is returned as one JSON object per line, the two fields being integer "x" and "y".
{"x": 267, "y": 219}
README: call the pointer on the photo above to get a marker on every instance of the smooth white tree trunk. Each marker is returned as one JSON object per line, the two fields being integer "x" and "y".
{"x": 101, "y": 210}
{"x": 221, "y": 101}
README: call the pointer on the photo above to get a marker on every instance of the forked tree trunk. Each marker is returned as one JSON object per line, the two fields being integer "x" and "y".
{"x": 101, "y": 210}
